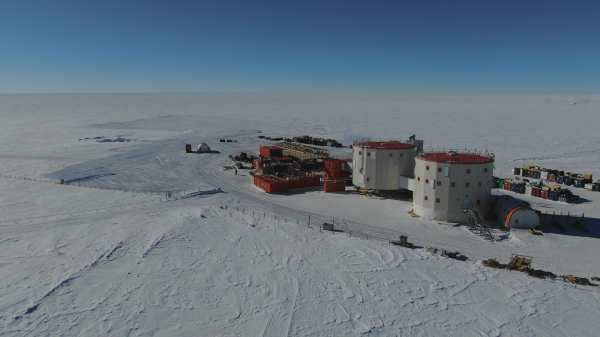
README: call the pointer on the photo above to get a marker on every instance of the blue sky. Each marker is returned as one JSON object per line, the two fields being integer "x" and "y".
{"x": 185, "y": 45}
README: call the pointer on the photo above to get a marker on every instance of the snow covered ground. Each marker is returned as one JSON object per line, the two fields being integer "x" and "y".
{"x": 109, "y": 256}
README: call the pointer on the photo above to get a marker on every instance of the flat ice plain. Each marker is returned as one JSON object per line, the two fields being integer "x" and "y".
{"x": 109, "y": 256}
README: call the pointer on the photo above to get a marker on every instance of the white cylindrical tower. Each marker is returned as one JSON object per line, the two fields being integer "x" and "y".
{"x": 448, "y": 183}
{"x": 380, "y": 165}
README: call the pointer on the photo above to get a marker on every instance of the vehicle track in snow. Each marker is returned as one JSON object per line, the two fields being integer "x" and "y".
{"x": 105, "y": 257}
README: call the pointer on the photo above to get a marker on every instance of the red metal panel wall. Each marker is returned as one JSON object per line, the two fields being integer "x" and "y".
{"x": 333, "y": 167}
{"x": 265, "y": 151}
{"x": 334, "y": 186}
{"x": 271, "y": 151}
{"x": 303, "y": 182}
{"x": 270, "y": 184}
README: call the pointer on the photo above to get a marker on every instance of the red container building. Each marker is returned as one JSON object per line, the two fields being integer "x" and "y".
{"x": 270, "y": 184}
{"x": 333, "y": 167}
{"x": 268, "y": 151}
{"x": 332, "y": 185}
{"x": 304, "y": 181}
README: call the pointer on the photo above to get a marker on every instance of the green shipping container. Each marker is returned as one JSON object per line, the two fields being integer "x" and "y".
{"x": 500, "y": 183}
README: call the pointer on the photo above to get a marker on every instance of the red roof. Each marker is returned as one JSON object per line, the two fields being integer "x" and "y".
{"x": 452, "y": 157}
{"x": 387, "y": 145}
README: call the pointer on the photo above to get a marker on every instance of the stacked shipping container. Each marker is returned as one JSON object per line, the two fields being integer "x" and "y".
{"x": 560, "y": 177}
{"x": 552, "y": 191}
{"x": 334, "y": 175}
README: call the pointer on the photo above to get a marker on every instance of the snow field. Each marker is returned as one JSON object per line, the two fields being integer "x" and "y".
{"x": 111, "y": 258}
{"x": 214, "y": 274}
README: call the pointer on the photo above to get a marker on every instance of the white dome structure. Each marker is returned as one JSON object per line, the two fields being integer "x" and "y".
{"x": 515, "y": 213}
{"x": 384, "y": 166}
{"x": 521, "y": 218}
{"x": 203, "y": 148}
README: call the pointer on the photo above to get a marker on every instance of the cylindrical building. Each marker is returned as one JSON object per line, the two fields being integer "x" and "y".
{"x": 382, "y": 165}
{"x": 448, "y": 183}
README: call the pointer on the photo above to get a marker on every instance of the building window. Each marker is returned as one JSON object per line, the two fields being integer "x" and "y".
{"x": 453, "y": 184}
{"x": 439, "y": 169}
{"x": 439, "y": 183}
{"x": 468, "y": 171}
{"x": 437, "y": 200}
{"x": 467, "y": 185}
{"x": 427, "y": 167}
{"x": 426, "y": 198}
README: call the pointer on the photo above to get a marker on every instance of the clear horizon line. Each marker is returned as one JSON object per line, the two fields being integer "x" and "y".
{"x": 313, "y": 91}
